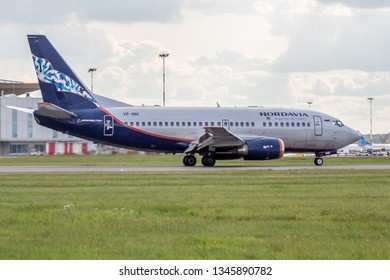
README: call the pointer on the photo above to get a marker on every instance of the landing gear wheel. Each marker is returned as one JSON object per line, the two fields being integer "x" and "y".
{"x": 189, "y": 160}
{"x": 208, "y": 160}
{"x": 318, "y": 161}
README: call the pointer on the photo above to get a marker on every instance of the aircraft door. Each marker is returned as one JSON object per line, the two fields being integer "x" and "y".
{"x": 317, "y": 126}
{"x": 108, "y": 125}
{"x": 226, "y": 124}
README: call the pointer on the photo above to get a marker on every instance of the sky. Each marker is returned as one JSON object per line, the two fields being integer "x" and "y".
{"x": 273, "y": 53}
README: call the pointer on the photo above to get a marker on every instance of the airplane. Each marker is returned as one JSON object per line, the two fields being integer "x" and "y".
{"x": 215, "y": 133}
{"x": 373, "y": 146}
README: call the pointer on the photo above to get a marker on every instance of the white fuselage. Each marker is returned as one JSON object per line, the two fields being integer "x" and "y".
{"x": 301, "y": 130}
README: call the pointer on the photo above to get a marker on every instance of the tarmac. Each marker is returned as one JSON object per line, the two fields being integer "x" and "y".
{"x": 57, "y": 169}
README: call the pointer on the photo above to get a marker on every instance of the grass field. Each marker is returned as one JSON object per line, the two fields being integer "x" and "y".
{"x": 302, "y": 214}
{"x": 175, "y": 160}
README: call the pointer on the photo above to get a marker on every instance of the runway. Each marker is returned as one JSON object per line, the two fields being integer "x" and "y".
{"x": 57, "y": 169}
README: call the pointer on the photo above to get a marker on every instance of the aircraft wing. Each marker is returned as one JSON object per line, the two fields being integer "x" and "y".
{"x": 215, "y": 137}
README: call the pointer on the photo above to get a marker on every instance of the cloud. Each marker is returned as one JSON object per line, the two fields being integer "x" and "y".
{"x": 218, "y": 7}
{"x": 344, "y": 94}
{"x": 125, "y": 11}
{"x": 326, "y": 37}
{"x": 120, "y": 11}
{"x": 360, "y": 3}
{"x": 278, "y": 53}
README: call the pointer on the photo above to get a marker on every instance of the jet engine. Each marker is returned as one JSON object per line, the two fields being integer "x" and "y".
{"x": 264, "y": 149}
{"x": 255, "y": 149}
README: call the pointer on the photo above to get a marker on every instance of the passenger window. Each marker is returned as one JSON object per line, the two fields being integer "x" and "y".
{"x": 298, "y": 124}
{"x": 206, "y": 123}
{"x": 236, "y": 124}
{"x": 308, "y": 124}
{"x": 194, "y": 123}
{"x": 177, "y": 124}
{"x": 172, "y": 124}
{"x": 212, "y": 124}
{"x": 264, "y": 124}
{"x": 131, "y": 123}
{"x": 252, "y": 124}
{"x": 154, "y": 123}
{"x": 137, "y": 123}
{"x": 287, "y": 124}
{"x": 200, "y": 124}
{"x": 303, "y": 124}
{"x": 231, "y": 124}
{"x": 143, "y": 123}
{"x": 270, "y": 124}
{"x": 219, "y": 124}
{"x": 276, "y": 124}
{"x": 183, "y": 124}
{"x": 292, "y": 124}
{"x": 282, "y": 124}
{"x": 166, "y": 123}
{"x": 247, "y": 124}
{"x": 188, "y": 123}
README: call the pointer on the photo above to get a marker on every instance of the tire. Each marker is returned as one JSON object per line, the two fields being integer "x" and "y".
{"x": 318, "y": 161}
{"x": 208, "y": 161}
{"x": 191, "y": 160}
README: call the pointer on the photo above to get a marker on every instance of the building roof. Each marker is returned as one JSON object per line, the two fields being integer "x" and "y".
{"x": 15, "y": 87}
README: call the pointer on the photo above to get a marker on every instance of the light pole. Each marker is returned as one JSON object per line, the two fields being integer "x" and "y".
{"x": 163, "y": 55}
{"x": 371, "y": 98}
{"x": 309, "y": 102}
{"x": 91, "y": 70}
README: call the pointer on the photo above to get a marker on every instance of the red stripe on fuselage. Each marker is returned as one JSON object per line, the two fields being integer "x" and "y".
{"x": 145, "y": 132}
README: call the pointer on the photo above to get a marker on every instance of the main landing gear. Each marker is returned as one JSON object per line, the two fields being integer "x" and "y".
{"x": 207, "y": 160}
{"x": 189, "y": 160}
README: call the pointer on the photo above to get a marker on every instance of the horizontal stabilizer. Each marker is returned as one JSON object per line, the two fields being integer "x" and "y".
{"x": 55, "y": 112}
{"x": 26, "y": 110}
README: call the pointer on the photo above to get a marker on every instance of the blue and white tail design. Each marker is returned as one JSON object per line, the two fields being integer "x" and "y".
{"x": 59, "y": 84}
{"x": 363, "y": 142}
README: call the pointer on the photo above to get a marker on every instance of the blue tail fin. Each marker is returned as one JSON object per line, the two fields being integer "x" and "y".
{"x": 363, "y": 142}
{"x": 59, "y": 84}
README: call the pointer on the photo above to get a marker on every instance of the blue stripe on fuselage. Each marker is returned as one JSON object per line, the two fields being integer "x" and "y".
{"x": 90, "y": 126}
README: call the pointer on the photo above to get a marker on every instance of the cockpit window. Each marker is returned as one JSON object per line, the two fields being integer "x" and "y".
{"x": 338, "y": 123}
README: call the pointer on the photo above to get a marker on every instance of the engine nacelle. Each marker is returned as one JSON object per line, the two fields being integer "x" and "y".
{"x": 263, "y": 149}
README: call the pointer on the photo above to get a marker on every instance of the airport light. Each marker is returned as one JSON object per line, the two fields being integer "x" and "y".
{"x": 91, "y": 70}
{"x": 309, "y": 102}
{"x": 163, "y": 55}
{"x": 371, "y": 98}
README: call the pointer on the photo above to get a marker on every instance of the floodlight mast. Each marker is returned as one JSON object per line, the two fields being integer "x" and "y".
{"x": 91, "y": 70}
{"x": 163, "y": 55}
{"x": 371, "y": 99}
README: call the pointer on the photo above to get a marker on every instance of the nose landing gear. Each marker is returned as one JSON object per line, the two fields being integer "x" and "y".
{"x": 318, "y": 160}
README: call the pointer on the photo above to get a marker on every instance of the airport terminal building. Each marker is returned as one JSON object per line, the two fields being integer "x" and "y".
{"x": 19, "y": 132}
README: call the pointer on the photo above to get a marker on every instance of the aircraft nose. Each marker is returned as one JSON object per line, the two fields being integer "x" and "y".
{"x": 353, "y": 135}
